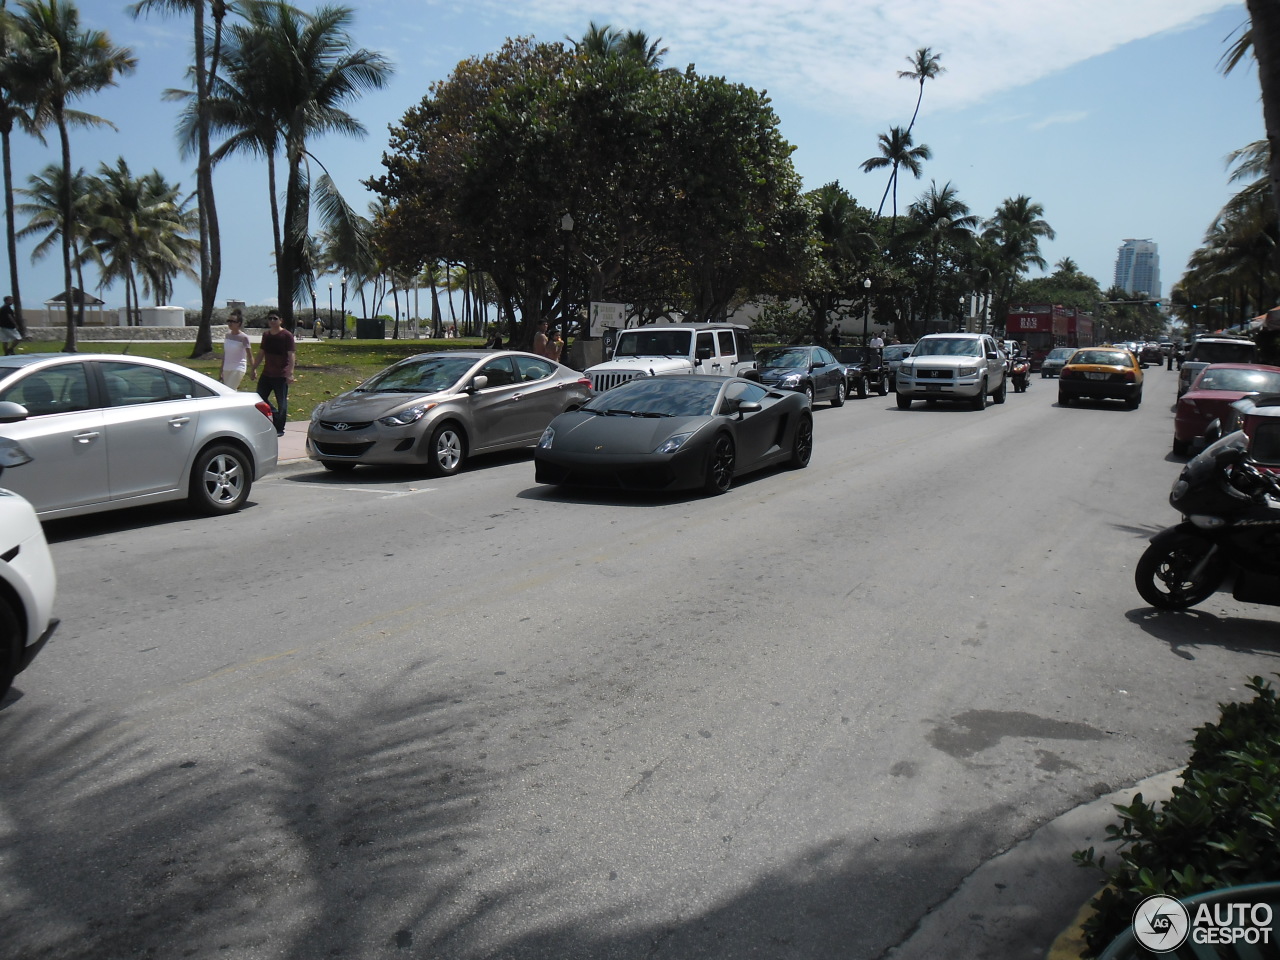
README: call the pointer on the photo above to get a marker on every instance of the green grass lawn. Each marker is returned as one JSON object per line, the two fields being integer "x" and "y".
{"x": 324, "y": 369}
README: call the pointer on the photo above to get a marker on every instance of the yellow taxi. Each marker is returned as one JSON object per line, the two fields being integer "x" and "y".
{"x": 1101, "y": 373}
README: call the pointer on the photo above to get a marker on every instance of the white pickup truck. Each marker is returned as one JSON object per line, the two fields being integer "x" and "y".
{"x": 659, "y": 350}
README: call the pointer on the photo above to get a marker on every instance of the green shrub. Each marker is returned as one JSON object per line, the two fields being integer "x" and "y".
{"x": 1217, "y": 829}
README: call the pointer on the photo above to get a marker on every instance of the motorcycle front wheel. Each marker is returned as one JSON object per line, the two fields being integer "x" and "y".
{"x": 1167, "y": 575}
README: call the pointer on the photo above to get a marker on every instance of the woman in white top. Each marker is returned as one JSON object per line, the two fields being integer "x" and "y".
{"x": 237, "y": 353}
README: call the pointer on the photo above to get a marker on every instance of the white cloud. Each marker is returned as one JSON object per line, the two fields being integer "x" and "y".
{"x": 846, "y": 55}
{"x": 1072, "y": 116}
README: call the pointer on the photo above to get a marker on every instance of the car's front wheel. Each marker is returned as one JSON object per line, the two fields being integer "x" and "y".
{"x": 862, "y": 388}
{"x": 808, "y": 393}
{"x": 446, "y": 450}
{"x": 220, "y": 480}
{"x": 720, "y": 463}
{"x": 904, "y": 402}
{"x": 802, "y": 445}
{"x": 998, "y": 396}
{"x": 979, "y": 402}
{"x": 838, "y": 399}
{"x": 884, "y": 386}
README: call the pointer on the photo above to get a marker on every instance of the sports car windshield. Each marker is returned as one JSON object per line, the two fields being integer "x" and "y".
{"x": 658, "y": 397}
{"x": 948, "y": 347}
{"x": 1106, "y": 358}
{"x": 653, "y": 343}
{"x": 1244, "y": 381}
{"x": 783, "y": 359}
{"x": 419, "y": 375}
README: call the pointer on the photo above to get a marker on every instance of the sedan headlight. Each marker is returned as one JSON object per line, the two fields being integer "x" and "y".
{"x": 672, "y": 444}
{"x": 405, "y": 417}
{"x": 548, "y": 437}
{"x": 791, "y": 380}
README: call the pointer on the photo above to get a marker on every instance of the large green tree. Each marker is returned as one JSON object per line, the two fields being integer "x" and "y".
{"x": 568, "y": 176}
{"x": 206, "y": 71}
{"x": 68, "y": 62}
{"x": 1015, "y": 231}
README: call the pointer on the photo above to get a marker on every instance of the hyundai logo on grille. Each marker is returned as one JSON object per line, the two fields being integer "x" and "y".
{"x": 341, "y": 426}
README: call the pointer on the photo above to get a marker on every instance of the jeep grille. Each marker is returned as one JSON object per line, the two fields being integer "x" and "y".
{"x": 600, "y": 382}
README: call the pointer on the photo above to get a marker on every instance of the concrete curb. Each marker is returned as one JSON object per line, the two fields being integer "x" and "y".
{"x": 1027, "y": 902}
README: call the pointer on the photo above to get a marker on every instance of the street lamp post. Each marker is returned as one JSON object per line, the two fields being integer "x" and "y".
{"x": 330, "y": 324}
{"x": 566, "y": 228}
{"x": 866, "y": 316}
{"x": 342, "y": 324}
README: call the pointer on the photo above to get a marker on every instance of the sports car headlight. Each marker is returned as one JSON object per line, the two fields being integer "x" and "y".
{"x": 548, "y": 437}
{"x": 404, "y": 417}
{"x": 672, "y": 444}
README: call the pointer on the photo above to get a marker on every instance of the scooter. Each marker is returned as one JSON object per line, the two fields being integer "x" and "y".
{"x": 1230, "y": 531}
{"x": 1020, "y": 374}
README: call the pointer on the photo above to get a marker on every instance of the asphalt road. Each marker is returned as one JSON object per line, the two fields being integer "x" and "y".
{"x": 375, "y": 715}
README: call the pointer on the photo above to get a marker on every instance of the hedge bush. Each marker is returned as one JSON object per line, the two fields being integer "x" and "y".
{"x": 1218, "y": 828}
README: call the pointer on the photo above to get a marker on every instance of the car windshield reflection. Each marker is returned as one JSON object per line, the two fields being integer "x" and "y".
{"x": 429, "y": 375}
{"x": 948, "y": 347}
{"x": 783, "y": 359}
{"x": 669, "y": 396}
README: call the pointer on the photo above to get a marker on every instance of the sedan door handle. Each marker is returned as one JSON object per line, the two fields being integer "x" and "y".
{"x": 86, "y": 437}
{"x": 517, "y": 396}
{"x": 179, "y": 421}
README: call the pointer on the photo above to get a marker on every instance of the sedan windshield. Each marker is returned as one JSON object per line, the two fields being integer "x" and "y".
{"x": 658, "y": 396}
{"x": 783, "y": 359}
{"x": 1060, "y": 353}
{"x": 948, "y": 347}
{"x": 1244, "y": 381}
{"x": 419, "y": 375}
{"x": 897, "y": 351}
{"x": 1106, "y": 358}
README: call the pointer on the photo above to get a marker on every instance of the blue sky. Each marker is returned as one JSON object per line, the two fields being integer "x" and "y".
{"x": 1111, "y": 113}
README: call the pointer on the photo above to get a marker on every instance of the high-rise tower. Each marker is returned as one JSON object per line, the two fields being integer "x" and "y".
{"x": 1138, "y": 268}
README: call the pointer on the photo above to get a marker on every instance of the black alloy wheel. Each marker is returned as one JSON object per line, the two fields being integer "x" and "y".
{"x": 720, "y": 465}
{"x": 802, "y": 445}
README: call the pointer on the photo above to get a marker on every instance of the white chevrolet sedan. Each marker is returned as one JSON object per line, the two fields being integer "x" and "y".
{"x": 106, "y": 431}
{"x": 27, "y": 580}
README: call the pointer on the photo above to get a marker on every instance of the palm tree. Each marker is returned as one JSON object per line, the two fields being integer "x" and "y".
{"x": 941, "y": 221}
{"x": 44, "y": 193}
{"x": 896, "y": 150}
{"x": 310, "y": 70}
{"x": 1016, "y": 229}
{"x": 140, "y": 225}
{"x": 607, "y": 42}
{"x": 925, "y": 65}
{"x": 69, "y": 62}
{"x": 206, "y": 71}
{"x": 19, "y": 106}
{"x": 1264, "y": 38}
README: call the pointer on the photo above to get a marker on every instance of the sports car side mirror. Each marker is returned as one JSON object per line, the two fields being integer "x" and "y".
{"x": 749, "y": 406}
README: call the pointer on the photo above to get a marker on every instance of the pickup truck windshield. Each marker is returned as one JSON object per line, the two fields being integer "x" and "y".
{"x": 948, "y": 347}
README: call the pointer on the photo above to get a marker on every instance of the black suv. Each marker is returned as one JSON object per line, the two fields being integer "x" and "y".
{"x": 864, "y": 369}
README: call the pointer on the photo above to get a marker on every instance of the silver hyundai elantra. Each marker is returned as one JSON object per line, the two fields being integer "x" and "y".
{"x": 435, "y": 410}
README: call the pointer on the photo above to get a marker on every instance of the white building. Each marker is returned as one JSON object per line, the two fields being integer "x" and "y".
{"x": 1138, "y": 268}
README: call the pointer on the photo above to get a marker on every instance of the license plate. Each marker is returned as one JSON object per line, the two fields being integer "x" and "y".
{"x": 935, "y": 387}
{"x": 1097, "y": 376}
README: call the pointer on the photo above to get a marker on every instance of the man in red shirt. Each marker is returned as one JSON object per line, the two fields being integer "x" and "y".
{"x": 276, "y": 355}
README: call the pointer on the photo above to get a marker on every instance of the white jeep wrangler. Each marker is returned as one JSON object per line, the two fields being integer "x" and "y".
{"x": 719, "y": 349}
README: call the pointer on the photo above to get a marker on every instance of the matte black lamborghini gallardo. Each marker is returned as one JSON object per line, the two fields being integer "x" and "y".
{"x": 677, "y": 432}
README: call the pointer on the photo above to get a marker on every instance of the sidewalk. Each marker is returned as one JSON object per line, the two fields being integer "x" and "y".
{"x": 1023, "y": 904}
{"x": 293, "y": 445}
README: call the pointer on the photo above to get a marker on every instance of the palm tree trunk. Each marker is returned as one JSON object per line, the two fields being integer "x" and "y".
{"x": 1264, "y": 16}
{"x": 210, "y": 244}
{"x": 10, "y": 229}
{"x": 69, "y": 345}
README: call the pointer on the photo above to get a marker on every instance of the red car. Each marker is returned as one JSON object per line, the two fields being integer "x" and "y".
{"x": 1212, "y": 392}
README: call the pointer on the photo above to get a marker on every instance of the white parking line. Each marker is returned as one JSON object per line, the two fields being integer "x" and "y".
{"x": 389, "y": 496}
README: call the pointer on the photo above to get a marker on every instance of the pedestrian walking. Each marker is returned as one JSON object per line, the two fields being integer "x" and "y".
{"x": 877, "y": 341}
{"x": 10, "y": 335}
{"x": 277, "y": 354}
{"x": 237, "y": 352}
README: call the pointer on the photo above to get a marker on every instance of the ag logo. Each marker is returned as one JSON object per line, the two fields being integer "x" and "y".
{"x": 1161, "y": 924}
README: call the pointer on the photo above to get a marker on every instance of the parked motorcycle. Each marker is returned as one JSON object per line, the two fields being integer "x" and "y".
{"x": 1020, "y": 374}
{"x": 1230, "y": 531}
